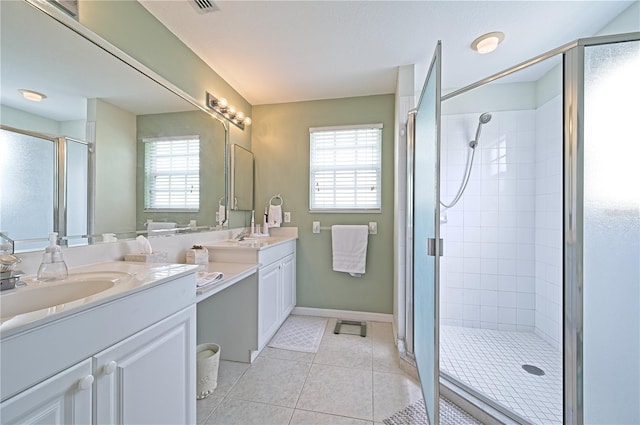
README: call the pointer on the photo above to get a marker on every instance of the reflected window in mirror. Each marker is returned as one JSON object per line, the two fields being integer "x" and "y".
{"x": 172, "y": 173}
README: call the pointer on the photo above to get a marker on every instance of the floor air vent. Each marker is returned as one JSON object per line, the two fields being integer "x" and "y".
{"x": 205, "y": 6}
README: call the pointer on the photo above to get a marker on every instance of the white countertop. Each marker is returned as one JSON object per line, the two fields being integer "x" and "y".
{"x": 250, "y": 243}
{"x": 128, "y": 278}
{"x": 233, "y": 273}
{"x": 236, "y": 271}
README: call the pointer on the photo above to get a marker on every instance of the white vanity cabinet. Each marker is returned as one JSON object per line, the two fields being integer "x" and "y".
{"x": 269, "y": 299}
{"x": 145, "y": 378}
{"x": 288, "y": 272}
{"x": 127, "y": 361}
{"x": 65, "y": 398}
{"x": 276, "y": 288}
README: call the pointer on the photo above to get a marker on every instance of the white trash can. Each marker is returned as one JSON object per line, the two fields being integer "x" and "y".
{"x": 207, "y": 362}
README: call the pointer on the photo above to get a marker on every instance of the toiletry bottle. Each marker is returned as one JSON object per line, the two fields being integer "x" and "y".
{"x": 53, "y": 266}
{"x": 265, "y": 224}
{"x": 253, "y": 222}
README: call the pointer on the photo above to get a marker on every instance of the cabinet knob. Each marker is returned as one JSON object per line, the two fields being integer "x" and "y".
{"x": 110, "y": 367}
{"x": 85, "y": 383}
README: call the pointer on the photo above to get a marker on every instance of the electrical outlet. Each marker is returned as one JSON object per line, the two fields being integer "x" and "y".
{"x": 373, "y": 227}
{"x": 287, "y": 217}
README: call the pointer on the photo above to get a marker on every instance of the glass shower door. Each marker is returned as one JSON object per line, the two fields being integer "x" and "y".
{"x": 27, "y": 205}
{"x": 426, "y": 237}
{"x": 611, "y": 234}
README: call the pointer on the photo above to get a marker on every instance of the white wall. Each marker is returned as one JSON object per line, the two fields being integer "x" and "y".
{"x": 405, "y": 101}
{"x": 548, "y": 226}
{"x": 488, "y": 268}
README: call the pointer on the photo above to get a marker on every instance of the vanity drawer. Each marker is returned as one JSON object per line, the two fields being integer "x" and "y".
{"x": 273, "y": 253}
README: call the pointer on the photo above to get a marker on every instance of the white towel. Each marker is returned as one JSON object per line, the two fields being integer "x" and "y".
{"x": 275, "y": 215}
{"x": 205, "y": 279}
{"x": 349, "y": 245}
{"x": 160, "y": 228}
{"x": 221, "y": 214}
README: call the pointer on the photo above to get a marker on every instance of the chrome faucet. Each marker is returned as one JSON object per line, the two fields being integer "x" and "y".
{"x": 240, "y": 236}
{"x": 9, "y": 277}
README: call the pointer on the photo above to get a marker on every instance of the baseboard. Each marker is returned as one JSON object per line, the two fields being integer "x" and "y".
{"x": 343, "y": 314}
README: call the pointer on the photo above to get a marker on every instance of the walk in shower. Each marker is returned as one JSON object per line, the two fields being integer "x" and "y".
{"x": 534, "y": 201}
{"x": 501, "y": 272}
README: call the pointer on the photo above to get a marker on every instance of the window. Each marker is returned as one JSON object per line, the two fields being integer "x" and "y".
{"x": 345, "y": 168}
{"x": 172, "y": 173}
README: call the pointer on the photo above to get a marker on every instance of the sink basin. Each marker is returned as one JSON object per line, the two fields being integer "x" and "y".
{"x": 234, "y": 243}
{"x": 253, "y": 242}
{"x": 38, "y": 295}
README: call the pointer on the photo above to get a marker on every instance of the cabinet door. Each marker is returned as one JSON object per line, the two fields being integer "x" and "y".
{"x": 288, "y": 273}
{"x": 149, "y": 378}
{"x": 269, "y": 299}
{"x": 64, "y": 398}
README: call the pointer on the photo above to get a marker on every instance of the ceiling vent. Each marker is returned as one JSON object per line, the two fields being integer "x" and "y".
{"x": 205, "y": 6}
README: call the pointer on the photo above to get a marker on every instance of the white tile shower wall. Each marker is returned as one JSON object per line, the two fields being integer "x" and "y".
{"x": 488, "y": 267}
{"x": 548, "y": 229}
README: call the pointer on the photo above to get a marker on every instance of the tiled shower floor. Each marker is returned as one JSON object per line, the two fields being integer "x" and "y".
{"x": 491, "y": 362}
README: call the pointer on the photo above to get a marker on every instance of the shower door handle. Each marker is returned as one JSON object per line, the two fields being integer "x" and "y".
{"x": 431, "y": 247}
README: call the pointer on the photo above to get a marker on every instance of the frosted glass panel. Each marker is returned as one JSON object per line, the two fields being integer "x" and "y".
{"x": 612, "y": 234}
{"x": 26, "y": 204}
{"x": 426, "y": 155}
{"x": 77, "y": 172}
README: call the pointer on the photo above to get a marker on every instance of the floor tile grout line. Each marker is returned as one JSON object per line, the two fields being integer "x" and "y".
{"x": 304, "y": 383}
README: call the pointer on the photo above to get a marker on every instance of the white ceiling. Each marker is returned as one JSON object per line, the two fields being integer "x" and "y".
{"x": 286, "y": 51}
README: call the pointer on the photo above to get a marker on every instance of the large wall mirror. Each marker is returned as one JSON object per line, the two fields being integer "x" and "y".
{"x": 108, "y": 150}
{"x": 242, "y": 179}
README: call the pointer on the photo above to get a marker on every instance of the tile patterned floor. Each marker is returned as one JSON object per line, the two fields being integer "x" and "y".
{"x": 350, "y": 380}
{"x": 491, "y": 361}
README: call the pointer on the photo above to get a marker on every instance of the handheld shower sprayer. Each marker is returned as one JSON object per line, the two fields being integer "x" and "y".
{"x": 484, "y": 118}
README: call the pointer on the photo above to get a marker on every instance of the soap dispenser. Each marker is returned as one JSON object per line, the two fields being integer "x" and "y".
{"x": 53, "y": 266}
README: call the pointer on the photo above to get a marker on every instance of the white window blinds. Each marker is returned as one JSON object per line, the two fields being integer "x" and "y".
{"x": 172, "y": 173}
{"x": 345, "y": 168}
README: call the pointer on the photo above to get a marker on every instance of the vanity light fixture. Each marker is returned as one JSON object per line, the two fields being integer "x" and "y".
{"x": 222, "y": 107}
{"x": 487, "y": 43}
{"x": 31, "y": 95}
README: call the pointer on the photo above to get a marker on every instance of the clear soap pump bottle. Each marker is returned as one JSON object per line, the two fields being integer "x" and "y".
{"x": 53, "y": 266}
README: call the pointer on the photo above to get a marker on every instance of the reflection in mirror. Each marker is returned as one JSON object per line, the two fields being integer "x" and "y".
{"x": 174, "y": 189}
{"x": 107, "y": 107}
{"x": 241, "y": 194}
{"x": 34, "y": 156}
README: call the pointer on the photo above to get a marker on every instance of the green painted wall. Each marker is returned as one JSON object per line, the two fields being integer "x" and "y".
{"x": 115, "y": 136}
{"x": 280, "y": 142}
{"x": 130, "y": 27}
{"x": 212, "y": 153}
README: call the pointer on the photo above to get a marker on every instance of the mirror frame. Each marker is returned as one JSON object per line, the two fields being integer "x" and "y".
{"x": 234, "y": 204}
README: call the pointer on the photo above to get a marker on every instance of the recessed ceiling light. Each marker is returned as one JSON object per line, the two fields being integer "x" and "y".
{"x": 487, "y": 43}
{"x": 32, "y": 95}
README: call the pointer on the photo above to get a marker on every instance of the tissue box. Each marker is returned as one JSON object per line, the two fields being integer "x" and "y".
{"x": 154, "y": 257}
{"x": 197, "y": 255}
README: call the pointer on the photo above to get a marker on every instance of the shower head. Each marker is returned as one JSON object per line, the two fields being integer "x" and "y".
{"x": 484, "y": 118}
